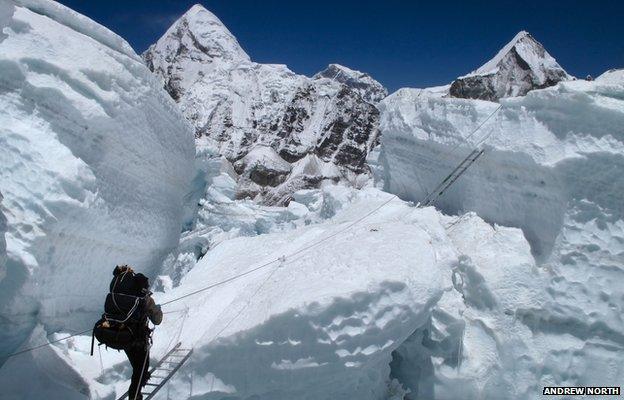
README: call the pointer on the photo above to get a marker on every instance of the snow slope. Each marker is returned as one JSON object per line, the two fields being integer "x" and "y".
{"x": 236, "y": 104}
{"x": 520, "y": 66}
{"x": 95, "y": 162}
{"x": 553, "y": 167}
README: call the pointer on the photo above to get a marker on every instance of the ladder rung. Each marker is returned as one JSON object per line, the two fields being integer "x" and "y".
{"x": 168, "y": 367}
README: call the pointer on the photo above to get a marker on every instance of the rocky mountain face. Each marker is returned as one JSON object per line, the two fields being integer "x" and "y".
{"x": 282, "y": 131}
{"x": 368, "y": 88}
{"x": 519, "y": 67}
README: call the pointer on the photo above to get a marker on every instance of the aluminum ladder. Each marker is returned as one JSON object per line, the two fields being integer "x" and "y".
{"x": 452, "y": 177}
{"x": 163, "y": 371}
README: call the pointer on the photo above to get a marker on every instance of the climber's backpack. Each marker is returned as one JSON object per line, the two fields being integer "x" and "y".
{"x": 124, "y": 321}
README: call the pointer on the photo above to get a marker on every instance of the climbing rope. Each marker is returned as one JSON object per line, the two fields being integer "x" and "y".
{"x": 223, "y": 282}
{"x": 476, "y": 130}
{"x": 45, "y": 344}
{"x": 238, "y": 276}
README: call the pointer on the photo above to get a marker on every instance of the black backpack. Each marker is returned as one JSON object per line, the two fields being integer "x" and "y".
{"x": 124, "y": 321}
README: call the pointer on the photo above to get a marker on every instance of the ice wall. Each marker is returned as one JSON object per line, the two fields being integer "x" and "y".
{"x": 553, "y": 167}
{"x": 545, "y": 150}
{"x": 95, "y": 162}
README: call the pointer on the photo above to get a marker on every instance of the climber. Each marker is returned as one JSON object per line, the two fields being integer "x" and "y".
{"x": 123, "y": 325}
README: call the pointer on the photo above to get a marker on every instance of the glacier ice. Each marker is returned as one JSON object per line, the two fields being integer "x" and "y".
{"x": 96, "y": 161}
{"x": 553, "y": 167}
{"x": 324, "y": 322}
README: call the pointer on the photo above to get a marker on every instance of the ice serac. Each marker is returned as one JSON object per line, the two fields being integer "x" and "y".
{"x": 95, "y": 159}
{"x": 519, "y": 67}
{"x": 236, "y": 104}
{"x": 553, "y": 167}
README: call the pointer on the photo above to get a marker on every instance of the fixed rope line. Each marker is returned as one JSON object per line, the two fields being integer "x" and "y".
{"x": 45, "y": 344}
{"x": 452, "y": 177}
{"x": 284, "y": 258}
{"x": 223, "y": 282}
{"x": 235, "y": 277}
{"x": 428, "y": 194}
{"x": 476, "y": 129}
{"x": 238, "y": 276}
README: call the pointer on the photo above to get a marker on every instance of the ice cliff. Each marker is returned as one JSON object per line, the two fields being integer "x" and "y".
{"x": 553, "y": 166}
{"x": 509, "y": 284}
{"x": 96, "y": 160}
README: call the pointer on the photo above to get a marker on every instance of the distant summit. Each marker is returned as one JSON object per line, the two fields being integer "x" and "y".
{"x": 197, "y": 37}
{"x": 520, "y": 66}
{"x": 370, "y": 90}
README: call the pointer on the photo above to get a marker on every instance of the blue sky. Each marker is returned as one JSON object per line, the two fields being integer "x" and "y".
{"x": 400, "y": 43}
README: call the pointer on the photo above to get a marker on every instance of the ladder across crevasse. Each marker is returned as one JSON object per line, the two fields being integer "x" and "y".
{"x": 452, "y": 177}
{"x": 163, "y": 371}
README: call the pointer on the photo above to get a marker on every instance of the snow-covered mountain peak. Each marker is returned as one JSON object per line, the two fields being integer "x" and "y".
{"x": 370, "y": 90}
{"x": 521, "y": 65}
{"x": 207, "y": 34}
{"x": 198, "y": 44}
{"x": 492, "y": 65}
